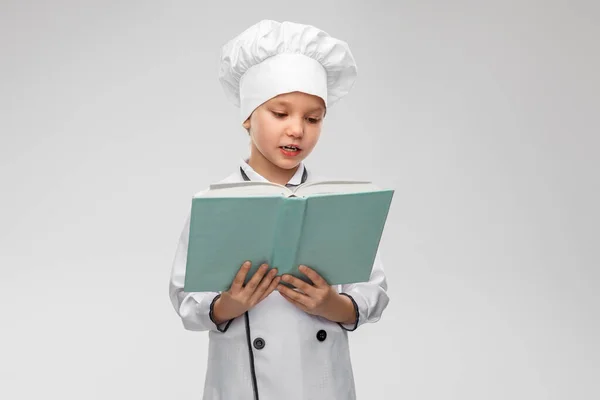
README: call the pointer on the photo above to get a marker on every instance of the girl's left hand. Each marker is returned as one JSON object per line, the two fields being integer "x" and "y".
{"x": 319, "y": 299}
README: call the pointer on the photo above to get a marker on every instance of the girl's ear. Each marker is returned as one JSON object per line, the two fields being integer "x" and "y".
{"x": 246, "y": 125}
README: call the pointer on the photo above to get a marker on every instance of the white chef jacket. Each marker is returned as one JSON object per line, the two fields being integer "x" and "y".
{"x": 276, "y": 351}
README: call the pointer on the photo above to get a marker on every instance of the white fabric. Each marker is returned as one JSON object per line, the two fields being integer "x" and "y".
{"x": 293, "y": 364}
{"x": 283, "y": 73}
{"x": 255, "y": 176}
{"x": 270, "y": 58}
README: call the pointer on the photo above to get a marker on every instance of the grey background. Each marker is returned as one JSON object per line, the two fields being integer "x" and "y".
{"x": 483, "y": 115}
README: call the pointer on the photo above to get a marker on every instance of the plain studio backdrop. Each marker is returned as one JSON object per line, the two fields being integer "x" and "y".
{"x": 482, "y": 115}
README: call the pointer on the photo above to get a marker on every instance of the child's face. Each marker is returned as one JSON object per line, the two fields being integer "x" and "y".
{"x": 290, "y": 119}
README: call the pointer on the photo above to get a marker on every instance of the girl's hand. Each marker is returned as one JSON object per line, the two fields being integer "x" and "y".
{"x": 319, "y": 299}
{"x": 239, "y": 298}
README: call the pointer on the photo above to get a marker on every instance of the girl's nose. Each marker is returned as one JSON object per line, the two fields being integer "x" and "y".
{"x": 295, "y": 128}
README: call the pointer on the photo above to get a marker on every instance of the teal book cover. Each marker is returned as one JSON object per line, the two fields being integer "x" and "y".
{"x": 332, "y": 229}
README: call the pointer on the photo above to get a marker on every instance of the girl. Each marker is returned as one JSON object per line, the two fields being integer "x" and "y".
{"x": 266, "y": 340}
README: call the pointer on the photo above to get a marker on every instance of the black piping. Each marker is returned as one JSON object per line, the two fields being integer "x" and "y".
{"x": 247, "y": 317}
{"x": 252, "y": 370}
{"x": 357, "y": 314}
{"x": 304, "y": 177}
{"x": 211, "y": 314}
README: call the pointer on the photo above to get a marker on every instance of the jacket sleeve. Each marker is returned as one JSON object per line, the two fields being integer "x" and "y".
{"x": 369, "y": 298}
{"x": 195, "y": 309}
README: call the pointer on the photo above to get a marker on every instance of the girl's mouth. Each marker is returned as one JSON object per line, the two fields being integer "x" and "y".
{"x": 290, "y": 151}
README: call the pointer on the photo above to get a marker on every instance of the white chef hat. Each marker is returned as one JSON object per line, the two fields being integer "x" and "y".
{"x": 271, "y": 58}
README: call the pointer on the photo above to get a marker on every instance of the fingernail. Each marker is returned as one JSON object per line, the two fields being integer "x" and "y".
{"x": 247, "y": 264}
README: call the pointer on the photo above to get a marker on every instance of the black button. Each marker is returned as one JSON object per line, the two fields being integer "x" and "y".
{"x": 259, "y": 343}
{"x": 321, "y": 335}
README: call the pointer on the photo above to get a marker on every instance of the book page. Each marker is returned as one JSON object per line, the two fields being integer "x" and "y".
{"x": 245, "y": 189}
{"x": 327, "y": 187}
{"x": 258, "y": 188}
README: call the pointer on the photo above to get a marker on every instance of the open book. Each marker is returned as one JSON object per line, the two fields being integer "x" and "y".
{"x": 334, "y": 227}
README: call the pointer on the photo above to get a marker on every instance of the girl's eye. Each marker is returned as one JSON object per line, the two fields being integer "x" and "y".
{"x": 278, "y": 115}
{"x": 313, "y": 120}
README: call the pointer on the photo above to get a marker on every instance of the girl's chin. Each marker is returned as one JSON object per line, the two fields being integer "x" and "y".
{"x": 287, "y": 162}
{"x": 279, "y": 160}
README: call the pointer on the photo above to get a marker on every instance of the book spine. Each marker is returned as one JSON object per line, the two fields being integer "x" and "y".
{"x": 288, "y": 231}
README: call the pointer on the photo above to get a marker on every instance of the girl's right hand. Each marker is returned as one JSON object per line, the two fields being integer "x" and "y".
{"x": 240, "y": 298}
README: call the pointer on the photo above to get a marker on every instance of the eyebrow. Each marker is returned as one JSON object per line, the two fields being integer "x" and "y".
{"x": 287, "y": 103}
